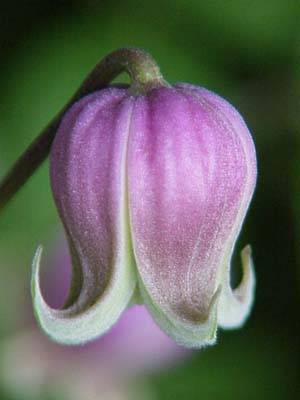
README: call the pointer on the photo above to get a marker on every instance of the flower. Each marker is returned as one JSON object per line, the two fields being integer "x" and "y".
{"x": 111, "y": 366}
{"x": 152, "y": 189}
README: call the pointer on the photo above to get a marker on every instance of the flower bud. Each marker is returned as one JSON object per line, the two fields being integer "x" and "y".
{"x": 152, "y": 190}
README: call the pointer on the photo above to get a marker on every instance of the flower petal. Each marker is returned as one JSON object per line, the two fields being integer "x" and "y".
{"x": 235, "y": 306}
{"x": 191, "y": 179}
{"x": 88, "y": 174}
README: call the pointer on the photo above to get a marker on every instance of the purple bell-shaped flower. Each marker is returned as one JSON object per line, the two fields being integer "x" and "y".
{"x": 152, "y": 188}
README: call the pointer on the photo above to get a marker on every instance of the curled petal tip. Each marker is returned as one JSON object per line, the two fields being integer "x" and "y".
{"x": 75, "y": 324}
{"x": 235, "y": 306}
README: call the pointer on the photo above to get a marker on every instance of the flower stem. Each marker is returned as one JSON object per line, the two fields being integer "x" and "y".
{"x": 145, "y": 75}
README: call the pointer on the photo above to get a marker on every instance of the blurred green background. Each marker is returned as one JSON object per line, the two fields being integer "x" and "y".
{"x": 246, "y": 51}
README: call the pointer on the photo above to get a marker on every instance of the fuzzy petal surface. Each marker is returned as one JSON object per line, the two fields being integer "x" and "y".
{"x": 89, "y": 182}
{"x": 191, "y": 175}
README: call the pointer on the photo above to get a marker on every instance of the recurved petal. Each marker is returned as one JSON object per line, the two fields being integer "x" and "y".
{"x": 235, "y": 305}
{"x": 191, "y": 178}
{"x": 88, "y": 175}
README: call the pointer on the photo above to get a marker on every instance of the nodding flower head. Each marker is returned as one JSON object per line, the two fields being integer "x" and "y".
{"x": 152, "y": 189}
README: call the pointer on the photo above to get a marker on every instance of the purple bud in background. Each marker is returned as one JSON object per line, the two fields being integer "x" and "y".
{"x": 152, "y": 190}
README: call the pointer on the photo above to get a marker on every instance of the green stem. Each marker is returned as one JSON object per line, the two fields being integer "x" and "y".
{"x": 145, "y": 76}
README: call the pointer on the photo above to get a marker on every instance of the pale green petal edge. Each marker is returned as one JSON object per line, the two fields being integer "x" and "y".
{"x": 92, "y": 322}
{"x": 190, "y": 335}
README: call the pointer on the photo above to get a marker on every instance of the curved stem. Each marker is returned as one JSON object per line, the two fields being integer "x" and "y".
{"x": 145, "y": 75}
